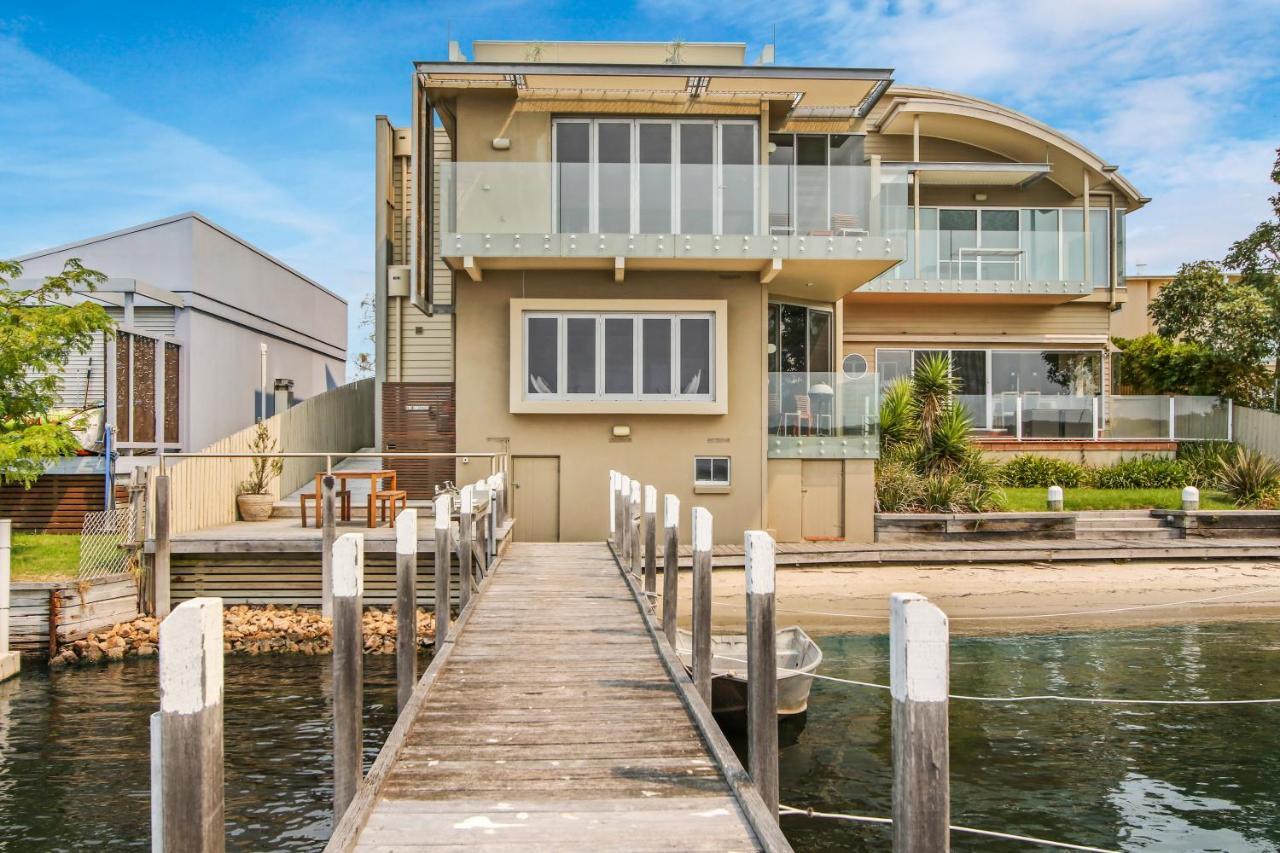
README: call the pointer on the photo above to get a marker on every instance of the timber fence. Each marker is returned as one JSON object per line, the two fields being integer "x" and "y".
{"x": 1258, "y": 429}
{"x": 919, "y": 669}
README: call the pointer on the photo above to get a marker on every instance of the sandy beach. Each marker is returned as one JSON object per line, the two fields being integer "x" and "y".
{"x": 1032, "y": 598}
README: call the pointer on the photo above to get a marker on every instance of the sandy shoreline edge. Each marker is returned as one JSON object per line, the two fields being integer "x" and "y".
{"x": 1003, "y": 598}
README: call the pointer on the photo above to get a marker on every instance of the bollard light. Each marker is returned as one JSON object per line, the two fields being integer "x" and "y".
{"x": 1054, "y": 499}
{"x": 1190, "y": 499}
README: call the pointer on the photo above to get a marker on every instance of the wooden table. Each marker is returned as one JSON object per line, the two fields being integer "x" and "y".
{"x": 374, "y": 478}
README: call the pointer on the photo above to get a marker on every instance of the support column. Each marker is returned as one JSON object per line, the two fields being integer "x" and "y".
{"x": 406, "y": 605}
{"x": 348, "y": 670}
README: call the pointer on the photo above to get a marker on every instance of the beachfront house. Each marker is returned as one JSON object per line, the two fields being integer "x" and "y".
{"x": 701, "y": 269}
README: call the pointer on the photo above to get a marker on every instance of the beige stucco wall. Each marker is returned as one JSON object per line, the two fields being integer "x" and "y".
{"x": 662, "y": 446}
{"x": 1132, "y": 320}
{"x": 785, "y": 488}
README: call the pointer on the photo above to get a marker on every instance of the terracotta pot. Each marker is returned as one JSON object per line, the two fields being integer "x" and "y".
{"x": 255, "y": 507}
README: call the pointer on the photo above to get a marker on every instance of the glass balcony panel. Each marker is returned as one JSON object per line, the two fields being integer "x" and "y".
{"x": 823, "y": 415}
{"x": 1138, "y": 416}
{"x": 1201, "y": 419}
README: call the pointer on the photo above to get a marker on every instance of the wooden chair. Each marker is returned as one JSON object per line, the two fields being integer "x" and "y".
{"x": 387, "y": 502}
{"x": 802, "y": 414}
{"x": 343, "y": 495}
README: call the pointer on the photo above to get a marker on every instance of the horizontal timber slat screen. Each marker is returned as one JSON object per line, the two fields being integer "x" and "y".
{"x": 338, "y": 421}
{"x": 419, "y": 417}
{"x": 1257, "y": 429}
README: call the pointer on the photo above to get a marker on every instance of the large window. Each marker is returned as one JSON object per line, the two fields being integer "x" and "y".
{"x": 1052, "y": 391}
{"x": 813, "y": 187}
{"x": 653, "y": 176}
{"x": 618, "y": 356}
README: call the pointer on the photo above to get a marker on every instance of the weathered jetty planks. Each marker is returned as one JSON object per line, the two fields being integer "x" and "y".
{"x": 556, "y": 718}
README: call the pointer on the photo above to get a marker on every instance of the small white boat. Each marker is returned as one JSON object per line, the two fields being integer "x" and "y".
{"x": 798, "y": 658}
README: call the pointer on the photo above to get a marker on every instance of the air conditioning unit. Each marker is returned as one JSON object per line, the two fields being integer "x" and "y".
{"x": 399, "y": 280}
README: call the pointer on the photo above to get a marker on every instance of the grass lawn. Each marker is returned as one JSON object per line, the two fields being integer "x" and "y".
{"x": 1033, "y": 500}
{"x": 44, "y": 556}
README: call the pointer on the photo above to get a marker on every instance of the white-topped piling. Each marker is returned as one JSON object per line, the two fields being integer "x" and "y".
{"x": 406, "y": 605}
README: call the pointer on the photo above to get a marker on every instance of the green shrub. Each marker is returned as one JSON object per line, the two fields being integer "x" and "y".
{"x": 898, "y": 487}
{"x": 948, "y": 445}
{"x": 1028, "y": 470}
{"x": 1146, "y": 472}
{"x": 1205, "y": 460}
{"x": 945, "y": 493}
{"x": 1251, "y": 478}
{"x": 897, "y": 414}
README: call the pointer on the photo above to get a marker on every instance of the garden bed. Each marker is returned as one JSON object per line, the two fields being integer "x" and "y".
{"x": 1076, "y": 500}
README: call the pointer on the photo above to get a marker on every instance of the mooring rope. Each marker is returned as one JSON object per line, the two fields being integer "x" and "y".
{"x": 990, "y": 833}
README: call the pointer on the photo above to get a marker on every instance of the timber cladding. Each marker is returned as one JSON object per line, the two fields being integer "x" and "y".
{"x": 55, "y": 502}
{"x": 419, "y": 417}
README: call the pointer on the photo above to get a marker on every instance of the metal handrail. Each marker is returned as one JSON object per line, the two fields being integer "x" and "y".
{"x": 328, "y": 457}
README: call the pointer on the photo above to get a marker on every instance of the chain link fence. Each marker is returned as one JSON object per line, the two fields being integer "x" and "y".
{"x": 107, "y": 543}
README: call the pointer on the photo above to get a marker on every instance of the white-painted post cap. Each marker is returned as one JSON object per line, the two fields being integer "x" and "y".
{"x": 635, "y": 491}
{"x": 1190, "y": 493}
{"x": 444, "y": 510}
{"x": 701, "y": 529}
{"x": 466, "y": 498}
{"x": 758, "y": 547}
{"x": 626, "y": 484}
{"x": 650, "y": 499}
{"x": 407, "y": 531}
{"x": 671, "y": 510}
{"x": 348, "y": 565}
{"x": 191, "y": 656}
{"x": 1055, "y": 493}
{"x": 918, "y": 649}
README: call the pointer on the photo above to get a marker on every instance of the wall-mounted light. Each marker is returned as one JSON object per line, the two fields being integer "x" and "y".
{"x": 979, "y": 196}
{"x": 621, "y": 431}
{"x": 501, "y": 143}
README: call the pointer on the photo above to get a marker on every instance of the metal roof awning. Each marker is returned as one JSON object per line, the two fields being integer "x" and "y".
{"x": 976, "y": 174}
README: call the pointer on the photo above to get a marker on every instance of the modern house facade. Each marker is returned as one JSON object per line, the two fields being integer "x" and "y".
{"x": 665, "y": 259}
{"x": 211, "y": 333}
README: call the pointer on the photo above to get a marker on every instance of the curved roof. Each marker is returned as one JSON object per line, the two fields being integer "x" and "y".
{"x": 1003, "y": 131}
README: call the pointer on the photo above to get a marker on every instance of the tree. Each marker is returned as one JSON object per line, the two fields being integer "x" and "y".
{"x": 364, "y": 364}
{"x": 37, "y": 334}
{"x": 1257, "y": 257}
{"x": 1153, "y": 364}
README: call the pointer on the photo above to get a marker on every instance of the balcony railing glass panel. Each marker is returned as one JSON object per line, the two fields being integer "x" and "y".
{"x": 823, "y": 416}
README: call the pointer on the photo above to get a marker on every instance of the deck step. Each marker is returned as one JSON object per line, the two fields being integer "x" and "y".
{"x": 1129, "y": 533}
{"x": 1112, "y": 523}
{"x": 1111, "y": 514}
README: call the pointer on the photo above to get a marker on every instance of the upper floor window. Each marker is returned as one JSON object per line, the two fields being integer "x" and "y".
{"x": 816, "y": 184}
{"x": 654, "y": 176}
{"x": 619, "y": 356}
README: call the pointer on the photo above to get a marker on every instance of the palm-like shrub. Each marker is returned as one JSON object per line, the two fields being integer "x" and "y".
{"x": 933, "y": 385}
{"x": 1250, "y": 478}
{"x": 1204, "y": 460}
{"x": 897, "y": 414}
{"x": 948, "y": 445}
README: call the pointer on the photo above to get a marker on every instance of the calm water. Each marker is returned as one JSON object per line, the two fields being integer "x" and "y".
{"x": 74, "y": 767}
{"x": 1134, "y": 778}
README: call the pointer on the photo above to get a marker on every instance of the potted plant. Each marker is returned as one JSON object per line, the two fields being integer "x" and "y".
{"x": 254, "y": 498}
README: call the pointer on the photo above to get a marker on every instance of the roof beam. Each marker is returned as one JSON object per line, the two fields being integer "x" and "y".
{"x": 770, "y": 270}
{"x": 472, "y": 267}
{"x": 619, "y": 268}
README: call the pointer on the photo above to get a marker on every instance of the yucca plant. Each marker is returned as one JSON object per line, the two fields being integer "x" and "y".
{"x": 897, "y": 414}
{"x": 1249, "y": 477}
{"x": 898, "y": 487}
{"x": 944, "y": 493}
{"x": 947, "y": 446}
{"x": 933, "y": 385}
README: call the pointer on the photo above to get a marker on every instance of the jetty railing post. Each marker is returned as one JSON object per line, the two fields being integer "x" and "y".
{"x": 613, "y": 508}
{"x": 671, "y": 567}
{"x": 762, "y": 667}
{"x": 918, "y": 662}
{"x": 483, "y": 525}
{"x": 10, "y": 661}
{"x": 624, "y": 497}
{"x": 406, "y": 605}
{"x": 637, "y": 536}
{"x": 187, "y": 792}
{"x": 465, "y": 500}
{"x": 444, "y": 554}
{"x": 619, "y": 516}
{"x": 497, "y": 486}
{"x": 348, "y": 669}
{"x": 702, "y": 603}
{"x": 160, "y": 559}
{"x": 329, "y": 532}
{"x": 650, "y": 541}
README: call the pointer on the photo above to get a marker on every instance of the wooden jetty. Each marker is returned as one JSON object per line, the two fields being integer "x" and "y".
{"x": 556, "y": 717}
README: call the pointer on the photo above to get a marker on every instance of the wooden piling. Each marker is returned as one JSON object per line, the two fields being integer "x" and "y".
{"x": 701, "y": 536}
{"x": 10, "y": 661}
{"x": 466, "y": 499}
{"x": 613, "y": 508}
{"x": 406, "y": 605}
{"x": 634, "y": 516}
{"x": 650, "y": 541}
{"x": 187, "y": 798}
{"x": 55, "y": 616}
{"x": 624, "y": 496}
{"x": 348, "y": 669}
{"x": 483, "y": 534}
{"x": 762, "y": 667}
{"x": 328, "y": 533}
{"x": 918, "y": 661}
{"x": 619, "y": 514}
{"x": 671, "y": 567}
{"x": 444, "y": 553}
{"x": 160, "y": 559}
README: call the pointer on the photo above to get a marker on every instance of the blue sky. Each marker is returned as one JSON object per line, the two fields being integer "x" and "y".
{"x": 260, "y": 115}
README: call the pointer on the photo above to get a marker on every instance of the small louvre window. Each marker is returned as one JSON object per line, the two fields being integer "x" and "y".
{"x": 711, "y": 470}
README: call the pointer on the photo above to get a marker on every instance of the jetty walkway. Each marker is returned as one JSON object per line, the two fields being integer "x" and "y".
{"x": 556, "y": 717}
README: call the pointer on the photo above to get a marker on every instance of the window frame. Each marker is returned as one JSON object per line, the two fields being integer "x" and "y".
{"x": 713, "y": 483}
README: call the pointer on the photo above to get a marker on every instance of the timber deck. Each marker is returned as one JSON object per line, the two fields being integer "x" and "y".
{"x": 557, "y": 718}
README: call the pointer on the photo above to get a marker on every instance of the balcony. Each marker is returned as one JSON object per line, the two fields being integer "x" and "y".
{"x": 816, "y": 233}
{"x": 1031, "y": 255}
{"x": 1040, "y": 417}
{"x": 823, "y": 416}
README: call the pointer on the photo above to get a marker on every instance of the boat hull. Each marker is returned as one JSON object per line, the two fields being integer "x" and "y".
{"x": 798, "y": 658}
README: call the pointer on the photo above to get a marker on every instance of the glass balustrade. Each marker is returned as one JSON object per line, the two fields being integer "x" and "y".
{"x": 823, "y": 416}
{"x": 1169, "y": 418}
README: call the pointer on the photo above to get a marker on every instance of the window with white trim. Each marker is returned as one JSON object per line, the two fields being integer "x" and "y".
{"x": 608, "y": 355}
{"x": 711, "y": 470}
